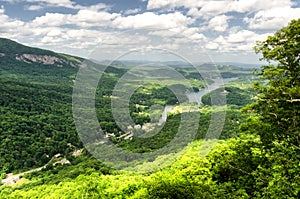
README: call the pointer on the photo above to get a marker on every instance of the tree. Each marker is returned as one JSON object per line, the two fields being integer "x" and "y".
{"x": 3, "y": 172}
{"x": 276, "y": 119}
{"x": 278, "y": 101}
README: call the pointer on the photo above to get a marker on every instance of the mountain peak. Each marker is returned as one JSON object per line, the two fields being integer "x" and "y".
{"x": 29, "y": 55}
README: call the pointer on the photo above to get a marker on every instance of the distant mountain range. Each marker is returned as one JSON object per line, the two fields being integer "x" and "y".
{"x": 177, "y": 64}
{"x": 20, "y": 53}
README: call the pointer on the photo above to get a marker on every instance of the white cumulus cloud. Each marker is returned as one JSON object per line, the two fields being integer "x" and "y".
{"x": 152, "y": 20}
{"x": 219, "y": 23}
{"x": 132, "y": 11}
{"x": 272, "y": 19}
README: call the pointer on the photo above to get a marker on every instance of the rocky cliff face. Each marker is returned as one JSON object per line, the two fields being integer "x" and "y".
{"x": 46, "y": 59}
{"x": 12, "y": 51}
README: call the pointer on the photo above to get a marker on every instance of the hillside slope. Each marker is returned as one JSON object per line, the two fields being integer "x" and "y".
{"x": 12, "y": 50}
{"x": 35, "y": 105}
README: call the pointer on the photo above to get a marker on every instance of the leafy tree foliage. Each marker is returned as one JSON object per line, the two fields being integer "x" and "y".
{"x": 268, "y": 165}
{"x": 261, "y": 164}
{"x": 278, "y": 102}
{"x": 36, "y": 123}
{"x": 234, "y": 96}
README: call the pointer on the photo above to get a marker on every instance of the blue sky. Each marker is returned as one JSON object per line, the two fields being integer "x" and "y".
{"x": 199, "y": 30}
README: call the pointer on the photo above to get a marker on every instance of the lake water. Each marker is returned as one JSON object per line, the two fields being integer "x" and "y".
{"x": 165, "y": 113}
{"x": 197, "y": 96}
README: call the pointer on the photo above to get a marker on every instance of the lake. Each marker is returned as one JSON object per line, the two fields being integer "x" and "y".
{"x": 195, "y": 97}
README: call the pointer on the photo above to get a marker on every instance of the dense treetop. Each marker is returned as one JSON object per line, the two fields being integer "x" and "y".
{"x": 260, "y": 160}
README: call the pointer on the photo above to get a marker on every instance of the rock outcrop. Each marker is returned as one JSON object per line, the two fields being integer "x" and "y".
{"x": 46, "y": 59}
{"x": 11, "y": 179}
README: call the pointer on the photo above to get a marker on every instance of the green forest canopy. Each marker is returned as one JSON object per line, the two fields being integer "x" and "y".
{"x": 262, "y": 163}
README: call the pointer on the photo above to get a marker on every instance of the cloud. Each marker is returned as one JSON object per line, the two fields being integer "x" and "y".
{"x": 9, "y": 27}
{"x": 161, "y": 4}
{"x": 272, "y": 19}
{"x": 233, "y": 5}
{"x": 42, "y": 4}
{"x": 83, "y": 18}
{"x": 241, "y": 36}
{"x": 212, "y": 8}
{"x": 205, "y": 8}
{"x": 212, "y": 46}
{"x": 219, "y": 23}
{"x": 90, "y": 18}
{"x": 2, "y": 10}
{"x": 55, "y": 3}
{"x": 50, "y": 19}
{"x": 152, "y": 20}
{"x": 34, "y": 7}
{"x": 243, "y": 6}
{"x": 236, "y": 41}
{"x": 11, "y": 1}
{"x": 202, "y": 24}
{"x": 132, "y": 11}
{"x": 182, "y": 36}
{"x": 96, "y": 7}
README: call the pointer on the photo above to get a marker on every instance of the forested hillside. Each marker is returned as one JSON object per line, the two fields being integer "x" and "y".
{"x": 257, "y": 156}
{"x": 36, "y": 118}
{"x": 36, "y": 108}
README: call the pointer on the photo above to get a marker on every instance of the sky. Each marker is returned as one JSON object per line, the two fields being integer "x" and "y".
{"x": 196, "y": 30}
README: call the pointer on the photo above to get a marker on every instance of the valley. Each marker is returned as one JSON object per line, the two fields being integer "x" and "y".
{"x": 74, "y": 128}
{"x": 37, "y": 97}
